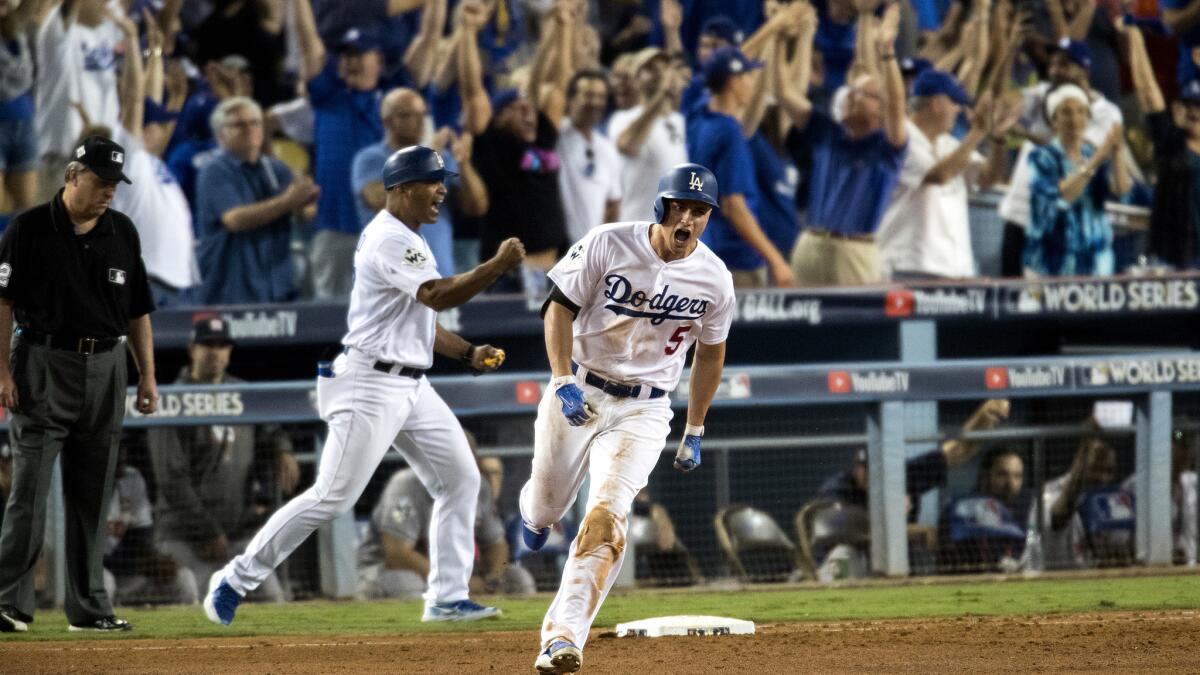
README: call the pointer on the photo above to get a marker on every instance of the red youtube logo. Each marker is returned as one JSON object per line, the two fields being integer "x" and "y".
{"x": 528, "y": 392}
{"x": 898, "y": 303}
{"x": 839, "y": 382}
{"x": 996, "y": 378}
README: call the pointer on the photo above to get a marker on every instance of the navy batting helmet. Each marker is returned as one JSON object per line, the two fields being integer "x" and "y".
{"x": 412, "y": 164}
{"x": 685, "y": 181}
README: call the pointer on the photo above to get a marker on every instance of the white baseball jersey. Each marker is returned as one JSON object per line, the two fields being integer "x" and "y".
{"x": 385, "y": 320}
{"x": 638, "y": 314}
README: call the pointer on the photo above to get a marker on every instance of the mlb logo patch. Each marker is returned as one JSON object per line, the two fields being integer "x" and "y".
{"x": 116, "y": 276}
{"x": 118, "y": 157}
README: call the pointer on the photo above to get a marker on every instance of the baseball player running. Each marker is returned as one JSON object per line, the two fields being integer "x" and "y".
{"x": 628, "y": 302}
{"x": 375, "y": 396}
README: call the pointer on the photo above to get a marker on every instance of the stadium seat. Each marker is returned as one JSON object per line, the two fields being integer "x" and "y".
{"x": 655, "y": 566}
{"x": 823, "y": 524}
{"x": 756, "y": 546}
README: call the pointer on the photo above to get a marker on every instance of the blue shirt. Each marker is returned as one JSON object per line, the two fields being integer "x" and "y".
{"x": 185, "y": 161}
{"x": 695, "y": 94}
{"x": 345, "y": 121}
{"x": 715, "y": 141}
{"x": 852, "y": 179}
{"x": 252, "y": 266}
{"x": 777, "y": 178}
{"x": 835, "y": 41}
{"x": 1066, "y": 239}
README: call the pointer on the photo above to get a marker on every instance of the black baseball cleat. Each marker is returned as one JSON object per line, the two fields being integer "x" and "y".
{"x": 109, "y": 624}
{"x": 12, "y": 621}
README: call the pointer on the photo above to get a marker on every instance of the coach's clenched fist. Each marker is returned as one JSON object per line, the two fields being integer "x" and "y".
{"x": 511, "y": 253}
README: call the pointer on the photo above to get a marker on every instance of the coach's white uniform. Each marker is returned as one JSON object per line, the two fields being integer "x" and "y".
{"x": 638, "y": 317}
{"x": 370, "y": 408}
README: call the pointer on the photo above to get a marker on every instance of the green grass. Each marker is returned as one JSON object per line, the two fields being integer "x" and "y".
{"x": 1042, "y": 596}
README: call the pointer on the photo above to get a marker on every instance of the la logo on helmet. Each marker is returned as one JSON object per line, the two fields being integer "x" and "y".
{"x": 696, "y": 183}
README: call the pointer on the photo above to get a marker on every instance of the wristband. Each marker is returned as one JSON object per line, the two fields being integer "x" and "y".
{"x": 560, "y": 381}
{"x": 693, "y": 430}
{"x": 469, "y": 356}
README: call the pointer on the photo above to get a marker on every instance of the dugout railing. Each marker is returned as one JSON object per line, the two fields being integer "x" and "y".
{"x": 891, "y": 408}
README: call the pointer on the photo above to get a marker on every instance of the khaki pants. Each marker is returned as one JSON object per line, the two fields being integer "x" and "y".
{"x": 822, "y": 260}
{"x": 331, "y": 257}
{"x": 749, "y": 278}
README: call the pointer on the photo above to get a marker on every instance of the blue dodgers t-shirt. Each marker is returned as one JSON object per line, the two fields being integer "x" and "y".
{"x": 777, "y": 178}
{"x": 715, "y": 141}
{"x": 345, "y": 121}
{"x": 852, "y": 180}
{"x": 242, "y": 267}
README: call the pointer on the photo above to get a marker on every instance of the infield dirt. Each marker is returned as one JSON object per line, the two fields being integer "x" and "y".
{"x": 1105, "y": 642}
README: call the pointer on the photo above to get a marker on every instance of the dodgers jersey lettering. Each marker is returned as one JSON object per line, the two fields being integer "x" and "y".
{"x": 385, "y": 320}
{"x": 638, "y": 314}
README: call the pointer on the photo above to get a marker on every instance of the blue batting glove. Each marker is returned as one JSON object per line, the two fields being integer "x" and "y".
{"x": 574, "y": 407}
{"x": 687, "y": 457}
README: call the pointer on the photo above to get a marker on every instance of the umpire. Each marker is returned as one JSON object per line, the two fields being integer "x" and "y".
{"x": 71, "y": 274}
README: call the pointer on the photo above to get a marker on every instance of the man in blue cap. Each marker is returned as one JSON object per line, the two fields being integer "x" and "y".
{"x": 345, "y": 93}
{"x": 715, "y": 140}
{"x": 924, "y": 232}
{"x": 1071, "y": 62}
{"x": 718, "y": 31}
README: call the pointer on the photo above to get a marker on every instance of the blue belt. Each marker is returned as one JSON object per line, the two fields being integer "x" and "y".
{"x": 618, "y": 390}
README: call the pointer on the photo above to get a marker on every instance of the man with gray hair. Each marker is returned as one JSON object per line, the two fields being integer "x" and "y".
{"x": 244, "y": 204}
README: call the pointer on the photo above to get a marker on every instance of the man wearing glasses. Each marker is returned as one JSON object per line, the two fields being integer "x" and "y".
{"x": 244, "y": 203}
{"x": 590, "y": 179}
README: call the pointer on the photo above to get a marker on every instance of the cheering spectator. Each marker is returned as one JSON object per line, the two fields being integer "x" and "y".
{"x": 650, "y": 135}
{"x": 403, "y": 112}
{"x": 590, "y": 178}
{"x": 856, "y": 163}
{"x": 216, "y": 484}
{"x": 252, "y": 29}
{"x": 715, "y": 140}
{"x": 154, "y": 201}
{"x": 1175, "y": 216}
{"x": 345, "y": 93}
{"x": 718, "y": 31}
{"x": 1183, "y": 18}
{"x": 193, "y": 144}
{"x": 244, "y": 206}
{"x": 624, "y": 82}
{"x": 923, "y": 472}
{"x": 516, "y": 133}
{"x": 925, "y": 232}
{"x": 18, "y": 133}
{"x": 76, "y": 51}
{"x": 1070, "y": 62}
{"x": 393, "y": 560}
{"x": 1070, "y": 179}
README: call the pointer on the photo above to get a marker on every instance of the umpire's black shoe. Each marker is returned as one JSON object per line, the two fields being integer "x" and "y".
{"x": 10, "y": 620}
{"x": 109, "y": 624}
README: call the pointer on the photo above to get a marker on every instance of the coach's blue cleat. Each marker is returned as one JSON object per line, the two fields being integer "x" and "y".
{"x": 534, "y": 538}
{"x": 560, "y": 657}
{"x": 463, "y": 610}
{"x": 221, "y": 602}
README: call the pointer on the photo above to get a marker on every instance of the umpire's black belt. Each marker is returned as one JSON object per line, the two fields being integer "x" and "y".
{"x": 393, "y": 368}
{"x": 70, "y": 343}
{"x": 618, "y": 390}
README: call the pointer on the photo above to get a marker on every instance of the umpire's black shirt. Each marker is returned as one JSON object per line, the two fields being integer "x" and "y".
{"x": 64, "y": 284}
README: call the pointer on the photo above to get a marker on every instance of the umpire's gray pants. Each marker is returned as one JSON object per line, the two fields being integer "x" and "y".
{"x": 70, "y": 406}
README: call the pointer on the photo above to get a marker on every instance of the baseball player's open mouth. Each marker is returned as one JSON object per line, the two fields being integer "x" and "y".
{"x": 682, "y": 236}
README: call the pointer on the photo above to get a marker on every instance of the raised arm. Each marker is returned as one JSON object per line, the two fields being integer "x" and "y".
{"x": 975, "y": 53}
{"x": 421, "y": 54}
{"x": 397, "y": 7}
{"x": 448, "y": 292}
{"x": 956, "y": 162}
{"x": 633, "y": 137}
{"x": 312, "y": 50}
{"x": 1150, "y": 96}
{"x": 760, "y": 40}
{"x": 1081, "y": 22}
{"x": 473, "y": 194}
{"x": 792, "y": 94}
{"x": 154, "y": 69}
{"x": 1183, "y": 20}
{"x": 477, "y": 109}
{"x": 670, "y": 14}
{"x": 866, "y": 36}
{"x": 757, "y": 107}
{"x": 893, "y": 82}
{"x": 133, "y": 79}
{"x": 552, "y": 66}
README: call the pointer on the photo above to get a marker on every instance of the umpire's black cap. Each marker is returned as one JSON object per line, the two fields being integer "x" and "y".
{"x": 211, "y": 330}
{"x": 104, "y": 157}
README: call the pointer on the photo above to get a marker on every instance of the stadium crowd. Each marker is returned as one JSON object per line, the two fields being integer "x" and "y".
{"x": 846, "y": 135}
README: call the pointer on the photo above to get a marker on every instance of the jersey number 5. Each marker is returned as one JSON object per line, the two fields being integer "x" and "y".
{"x": 676, "y": 340}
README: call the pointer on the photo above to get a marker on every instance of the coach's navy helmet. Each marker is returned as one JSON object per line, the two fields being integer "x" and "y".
{"x": 413, "y": 164}
{"x": 685, "y": 181}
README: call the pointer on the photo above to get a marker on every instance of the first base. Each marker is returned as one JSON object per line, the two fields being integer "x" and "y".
{"x": 685, "y": 625}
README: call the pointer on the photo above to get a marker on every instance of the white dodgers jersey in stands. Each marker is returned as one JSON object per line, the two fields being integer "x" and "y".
{"x": 638, "y": 314}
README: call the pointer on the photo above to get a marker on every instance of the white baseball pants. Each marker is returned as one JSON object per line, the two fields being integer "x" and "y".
{"x": 619, "y": 449}
{"x": 367, "y": 412}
